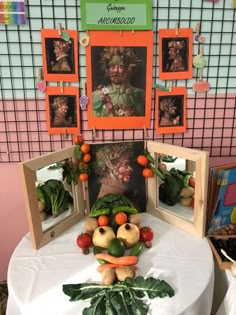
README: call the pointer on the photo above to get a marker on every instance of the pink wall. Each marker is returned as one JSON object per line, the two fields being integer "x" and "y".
{"x": 13, "y": 222}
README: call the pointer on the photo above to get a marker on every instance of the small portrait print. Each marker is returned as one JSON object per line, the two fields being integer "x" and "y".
{"x": 60, "y": 57}
{"x": 171, "y": 111}
{"x": 118, "y": 78}
{"x": 62, "y": 111}
{"x": 175, "y": 54}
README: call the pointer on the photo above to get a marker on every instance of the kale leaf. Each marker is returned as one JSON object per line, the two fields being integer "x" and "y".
{"x": 126, "y": 298}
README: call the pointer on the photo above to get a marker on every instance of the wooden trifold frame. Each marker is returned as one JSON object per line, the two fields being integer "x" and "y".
{"x": 191, "y": 220}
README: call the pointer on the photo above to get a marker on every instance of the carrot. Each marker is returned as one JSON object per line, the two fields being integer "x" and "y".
{"x": 105, "y": 266}
{"x": 124, "y": 260}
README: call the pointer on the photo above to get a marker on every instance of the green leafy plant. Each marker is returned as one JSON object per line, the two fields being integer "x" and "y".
{"x": 54, "y": 195}
{"x": 108, "y": 202}
{"x": 126, "y": 298}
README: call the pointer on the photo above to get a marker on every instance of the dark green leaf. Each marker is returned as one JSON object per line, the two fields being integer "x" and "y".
{"x": 40, "y": 195}
{"x": 83, "y": 291}
{"x": 78, "y": 153}
{"x": 98, "y": 308}
{"x": 139, "y": 308}
{"x": 119, "y": 304}
{"x": 153, "y": 287}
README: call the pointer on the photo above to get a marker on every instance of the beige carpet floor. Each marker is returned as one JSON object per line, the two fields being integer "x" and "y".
{"x": 3, "y": 297}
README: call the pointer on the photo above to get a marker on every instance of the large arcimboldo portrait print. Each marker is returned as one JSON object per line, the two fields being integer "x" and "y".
{"x": 119, "y": 86}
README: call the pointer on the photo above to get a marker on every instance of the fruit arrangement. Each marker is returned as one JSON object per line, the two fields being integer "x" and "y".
{"x": 113, "y": 228}
{"x": 79, "y": 171}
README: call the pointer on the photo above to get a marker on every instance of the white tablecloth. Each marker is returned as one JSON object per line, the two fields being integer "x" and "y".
{"x": 35, "y": 278}
{"x": 228, "y": 305}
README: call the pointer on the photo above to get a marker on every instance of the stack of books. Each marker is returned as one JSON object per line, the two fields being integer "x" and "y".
{"x": 221, "y": 212}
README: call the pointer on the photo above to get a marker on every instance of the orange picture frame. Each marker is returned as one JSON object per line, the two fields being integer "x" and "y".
{"x": 62, "y": 110}
{"x": 171, "y": 111}
{"x": 120, "y": 116}
{"x": 175, "y": 53}
{"x": 60, "y": 57}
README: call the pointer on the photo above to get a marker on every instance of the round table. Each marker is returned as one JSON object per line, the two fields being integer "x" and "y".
{"x": 228, "y": 305}
{"x": 35, "y": 278}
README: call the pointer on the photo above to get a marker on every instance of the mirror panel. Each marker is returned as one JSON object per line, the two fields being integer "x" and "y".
{"x": 45, "y": 174}
{"x": 46, "y": 178}
{"x": 177, "y": 209}
{"x": 183, "y": 208}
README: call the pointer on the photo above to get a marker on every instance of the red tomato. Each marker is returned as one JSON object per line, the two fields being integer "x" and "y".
{"x": 191, "y": 181}
{"x": 142, "y": 160}
{"x": 146, "y": 234}
{"x": 84, "y": 240}
{"x": 78, "y": 139}
{"x": 103, "y": 220}
{"x": 147, "y": 172}
{"x": 120, "y": 218}
{"x": 192, "y": 203}
{"x": 163, "y": 166}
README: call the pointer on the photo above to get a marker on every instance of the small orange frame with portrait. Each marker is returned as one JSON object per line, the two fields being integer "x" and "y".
{"x": 142, "y": 43}
{"x": 175, "y": 54}
{"x": 52, "y": 72}
{"x": 69, "y": 122}
{"x": 176, "y": 123}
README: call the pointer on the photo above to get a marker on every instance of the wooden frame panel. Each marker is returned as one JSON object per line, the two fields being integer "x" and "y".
{"x": 200, "y": 158}
{"x": 28, "y": 173}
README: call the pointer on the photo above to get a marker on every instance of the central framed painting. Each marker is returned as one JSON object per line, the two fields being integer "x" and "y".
{"x": 119, "y": 79}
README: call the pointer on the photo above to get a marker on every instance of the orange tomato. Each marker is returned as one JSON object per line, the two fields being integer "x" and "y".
{"x": 83, "y": 177}
{"x": 86, "y": 158}
{"x": 120, "y": 218}
{"x": 85, "y": 148}
{"x": 103, "y": 220}
{"x": 147, "y": 172}
{"x": 142, "y": 160}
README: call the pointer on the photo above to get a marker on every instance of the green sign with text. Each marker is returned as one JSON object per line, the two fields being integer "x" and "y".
{"x": 116, "y": 14}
